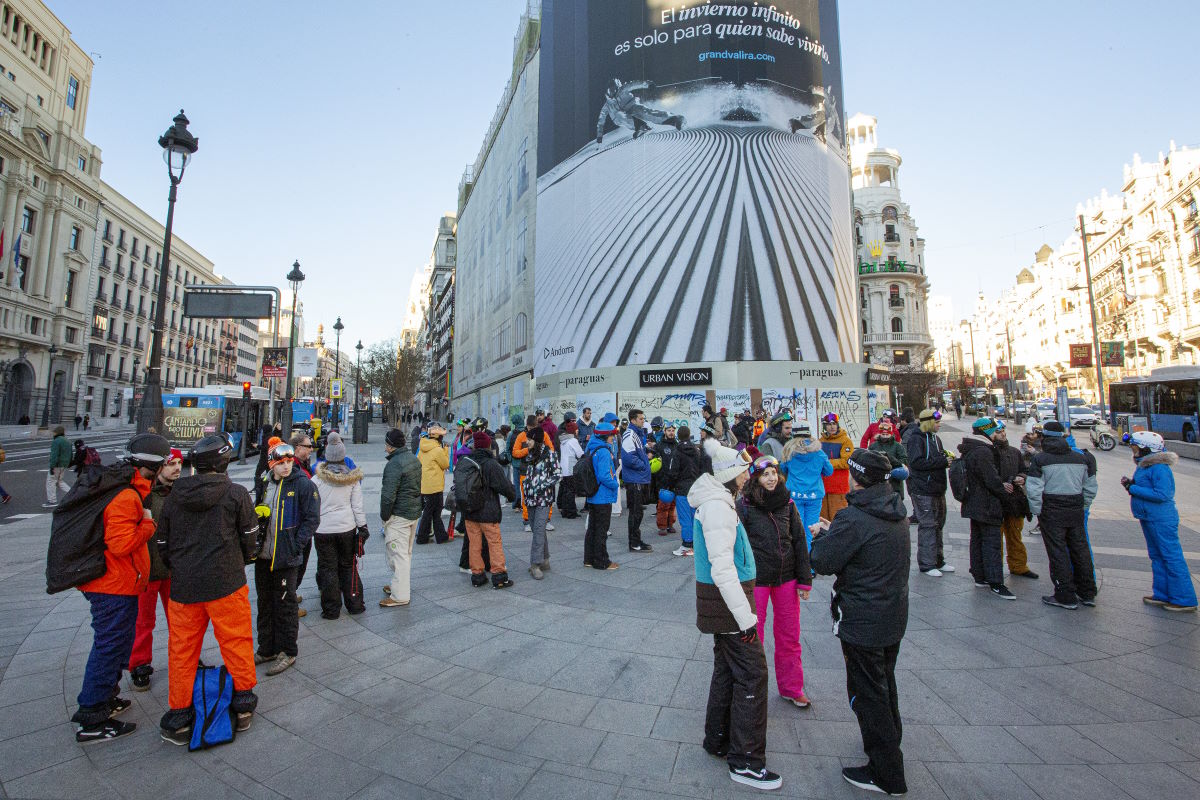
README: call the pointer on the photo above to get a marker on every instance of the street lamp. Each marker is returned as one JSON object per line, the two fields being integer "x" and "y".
{"x": 294, "y": 279}
{"x": 358, "y": 390}
{"x": 229, "y": 361}
{"x": 49, "y": 378}
{"x": 338, "y": 327}
{"x": 133, "y": 381}
{"x": 178, "y": 146}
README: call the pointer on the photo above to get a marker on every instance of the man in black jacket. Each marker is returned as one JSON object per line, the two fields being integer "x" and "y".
{"x": 1011, "y": 466}
{"x": 206, "y": 536}
{"x": 484, "y": 522}
{"x": 984, "y": 506}
{"x": 927, "y": 464}
{"x": 867, "y": 548}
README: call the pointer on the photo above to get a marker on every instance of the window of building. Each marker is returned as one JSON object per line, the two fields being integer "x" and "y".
{"x": 108, "y": 230}
{"x": 28, "y": 217}
{"x": 897, "y": 325}
{"x": 70, "y": 335}
{"x": 121, "y": 239}
{"x": 900, "y": 357}
{"x": 522, "y": 230}
{"x": 523, "y": 167}
{"x": 72, "y": 91}
{"x": 69, "y": 294}
{"x": 74, "y": 240}
{"x": 522, "y": 332}
{"x": 22, "y": 271}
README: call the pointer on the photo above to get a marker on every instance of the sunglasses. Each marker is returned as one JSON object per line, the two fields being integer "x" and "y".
{"x": 762, "y": 462}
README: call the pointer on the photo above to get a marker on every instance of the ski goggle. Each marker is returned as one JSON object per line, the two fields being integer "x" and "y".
{"x": 762, "y": 462}
{"x": 1126, "y": 439}
{"x": 937, "y": 415}
{"x": 282, "y": 452}
{"x": 830, "y": 417}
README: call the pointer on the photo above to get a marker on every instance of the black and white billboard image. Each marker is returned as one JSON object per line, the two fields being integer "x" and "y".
{"x": 692, "y": 185}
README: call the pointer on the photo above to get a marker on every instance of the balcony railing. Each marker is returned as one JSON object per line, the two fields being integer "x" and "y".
{"x": 891, "y": 238}
{"x": 112, "y": 337}
{"x": 119, "y": 272}
{"x": 115, "y": 303}
{"x": 108, "y": 237}
{"x": 97, "y": 333}
{"x": 121, "y": 245}
{"x": 95, "y": 370}
{"x": 125, "y": 340}
{"x": 889, "y": 267}
{"x": 880, "y": 338}
{"x": 110, "y": 374}
{"x": 895, "y": 302}
{"x": 105, "y": 264}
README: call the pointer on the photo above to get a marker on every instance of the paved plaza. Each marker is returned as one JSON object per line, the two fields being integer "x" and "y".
{"x": 592, "y": 684}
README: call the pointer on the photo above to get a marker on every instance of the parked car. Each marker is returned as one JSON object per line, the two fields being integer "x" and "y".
{"x": 1083, "y": 417}
{"x": 1044, "y": 411}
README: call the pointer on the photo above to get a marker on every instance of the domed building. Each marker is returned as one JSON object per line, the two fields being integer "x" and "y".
{"x": 892, "y": 288}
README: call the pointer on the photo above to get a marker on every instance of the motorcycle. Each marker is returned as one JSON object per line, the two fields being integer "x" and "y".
{"x": 1103, "y": 436}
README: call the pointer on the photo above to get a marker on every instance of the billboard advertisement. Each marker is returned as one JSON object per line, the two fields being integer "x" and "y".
{"x": 692, "y": 181}
{"x": 274, "y": 362}
{"x": 188, "y": 418}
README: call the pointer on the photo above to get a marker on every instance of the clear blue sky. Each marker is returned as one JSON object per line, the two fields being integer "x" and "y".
{"x": 336, "y": 134}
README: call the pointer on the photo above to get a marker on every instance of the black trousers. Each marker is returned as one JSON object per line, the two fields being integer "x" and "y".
{"x": 566, "y": 498}
{"x": 1071, "y": 566}
{"x": 736, "y": 720}
{"x": 303, "y": 564}
{"x": 431, "y": 519}
{"x": 987, "y": 553}
{"x": 464, "y": 561}
{"x": 635, "y": 504}
{"x": 337, "y": 573}
{"x": 871, "y": 687}
{"x": 595, "y": 537}
{"x": 278, "y": 624}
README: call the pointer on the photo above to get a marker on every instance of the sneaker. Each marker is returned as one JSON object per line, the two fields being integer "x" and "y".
{"x": 109, "y": 729}
{"x": 464, "y": 570}
{"x": 861, "y": 777}
{"x": 389, "y": 602}
{"x": 243, "y": 720}
{"x": 536, "y": 572}
{"x": 527, "y": 528}
{"x": 1001, "y": 591}
{"x": 683, "y": 550}
{"x": 1175, "y": 607}
{"x": 545, "y": 565}
{"x": 1033, "y": 576}
{"x": 283, "y": 662}
{"x": 502, "y": 583}
{"x": 479, "y": 580}
{"x": 388, "y": 589}
{"x": 981, "y": 584}
{"x": 259, "y": 658}
{"x": 641, "y": 548}
{"x": 1089, "y": 602}
{"x": 54, "y": 505}
{"x": 663, "y": 531}
{"x": 549, "y": 526}
{"x": 1051, "y": 600}
{"x": 140, "y": 677}
{"x": 799, "y": 702}
{"x": 1153, "y": 601}
{"x": 933, "y": 573}
{"x": 183, "y": 736}
{"x": 946, "y": 567}
{"x": 612, "y": 565}
{"x": 758, "y": 778}
{"x": 300, "y": 612}
{"x": 118, "y": 706}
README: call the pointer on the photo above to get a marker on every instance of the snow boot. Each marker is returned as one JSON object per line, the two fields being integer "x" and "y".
{"x": 500, "y": 580}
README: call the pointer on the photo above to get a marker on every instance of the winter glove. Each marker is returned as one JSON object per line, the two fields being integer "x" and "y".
{"x": 900, "y": 473}
{"x": 749, "y": 636}
{"x": 364, "y": 533}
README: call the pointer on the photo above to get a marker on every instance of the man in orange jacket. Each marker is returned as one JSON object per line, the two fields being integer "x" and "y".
{"x": 113, "y": 596}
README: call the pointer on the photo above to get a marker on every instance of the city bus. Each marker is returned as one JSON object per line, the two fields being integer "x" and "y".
{"x": 1167, "y": 399}
{"x": 189, "y": 415}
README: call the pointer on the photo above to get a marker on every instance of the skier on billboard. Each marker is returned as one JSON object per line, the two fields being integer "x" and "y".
{"x": 625, "y": 110}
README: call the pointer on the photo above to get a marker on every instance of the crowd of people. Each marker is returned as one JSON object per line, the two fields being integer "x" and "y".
{"x": 762, "y": 506}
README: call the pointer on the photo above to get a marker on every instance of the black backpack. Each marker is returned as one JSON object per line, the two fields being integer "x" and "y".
{"x": 584, "y": 473}
{"x": 76, "y": 552}
{"x": 959, "y": 487}
{"x": 470, "y": 493}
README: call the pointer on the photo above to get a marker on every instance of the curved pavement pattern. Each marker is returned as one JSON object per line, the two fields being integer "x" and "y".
{"x": 593, "y": 685}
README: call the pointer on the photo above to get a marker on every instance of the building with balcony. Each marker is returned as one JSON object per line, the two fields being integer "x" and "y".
{"x": 892, "y": 287}
{"x": 439, "y": 315}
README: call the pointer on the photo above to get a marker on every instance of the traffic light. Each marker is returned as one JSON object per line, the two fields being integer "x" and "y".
{"x": 245, "y": 390}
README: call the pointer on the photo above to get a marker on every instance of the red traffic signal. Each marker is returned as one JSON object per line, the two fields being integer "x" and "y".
{"x": 246, "y": 389}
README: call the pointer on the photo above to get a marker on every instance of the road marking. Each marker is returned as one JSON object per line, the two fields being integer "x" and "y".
{"x": 26, "y": 516}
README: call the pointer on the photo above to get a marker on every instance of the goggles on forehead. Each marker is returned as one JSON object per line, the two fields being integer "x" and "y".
{"x": 762, "y": 462}
{"x": 282, "y": 452}
{"x": 937, "y": 415}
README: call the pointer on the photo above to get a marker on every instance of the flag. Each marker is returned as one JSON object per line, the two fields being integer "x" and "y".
{"x": 16, "y": 250}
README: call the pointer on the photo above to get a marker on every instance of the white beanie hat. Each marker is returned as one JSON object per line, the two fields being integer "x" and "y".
{"x": 727, "y": 462}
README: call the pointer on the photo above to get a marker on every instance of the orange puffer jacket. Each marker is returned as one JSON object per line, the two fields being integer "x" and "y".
{"x": 126, "y": 531}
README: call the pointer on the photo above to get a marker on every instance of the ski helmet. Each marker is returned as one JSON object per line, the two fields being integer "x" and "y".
{"x": 1146, "y": 442}
{"x": 211, "y": 453}
{"x": 148, "y": 450}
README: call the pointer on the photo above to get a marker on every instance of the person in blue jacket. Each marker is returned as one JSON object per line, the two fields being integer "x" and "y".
{"x": 1152, "y": 501}
{"x": 595, "y": 539}
{"x": 804, "y": 463}
{"x": 635, "y": 474}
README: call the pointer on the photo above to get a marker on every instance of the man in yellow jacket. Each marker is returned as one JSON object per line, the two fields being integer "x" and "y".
{"x": 435, "y": 460}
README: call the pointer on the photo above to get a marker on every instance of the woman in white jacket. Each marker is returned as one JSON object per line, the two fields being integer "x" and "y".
{"x": 570, "y": 451}
{"x": 342, "y": 530}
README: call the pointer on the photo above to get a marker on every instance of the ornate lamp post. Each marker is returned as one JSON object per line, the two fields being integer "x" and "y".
{"x": 294, "y": 278}
{"x": 358, "y": 393}
{"x": 178, "y": 148}
{"x": 133, "y": 382}
{"x": 49, "y": 378}
{"x": 229, "y": 361}
{"x": 338, "y": 327}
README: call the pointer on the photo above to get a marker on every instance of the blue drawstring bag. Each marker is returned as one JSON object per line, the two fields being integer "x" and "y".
{"x": 212, "y": 700}
{"x": 666, "y": 496}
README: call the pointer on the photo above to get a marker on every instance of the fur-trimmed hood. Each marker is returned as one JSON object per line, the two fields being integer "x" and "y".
{"x": 338, "y": 474}
{"x": 796, "y": 445}
{"x": 1165, "y": 457}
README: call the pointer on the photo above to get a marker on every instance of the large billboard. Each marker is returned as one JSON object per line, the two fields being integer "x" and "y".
{"x": 692, "y": 185}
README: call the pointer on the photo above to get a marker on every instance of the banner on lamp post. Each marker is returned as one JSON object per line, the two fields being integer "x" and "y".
{"x": 274, "y": 362}
{"x": 1081, "y": 355}
{"x": 1112, "y": 354}
{"x": 1018, "y": 372}
{"x": 1002, "y": 373}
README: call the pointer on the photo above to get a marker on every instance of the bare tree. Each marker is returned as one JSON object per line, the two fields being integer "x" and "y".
{"x": 396, "y": 373}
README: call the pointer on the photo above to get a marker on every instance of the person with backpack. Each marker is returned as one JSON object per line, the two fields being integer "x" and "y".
{"x": 1061, "y": 485}
{"x": 572, "y": 451}
{"x": 927, "y": 482}
{"x": 983, "y": 505}
{"x": 735, "y": 722}
{"x": 635, "y": 470}
{"x": 597, "y": 478}
{"x": 112, "y": 593}
{"x": 538, "y": 489}
{"x": 782, "y": 572}
{"x": 206, "y": 537}
{"x": 60, "y": 459}
{"x": 687, "y": 463}
{"x": 435, "y": 460}
{"x": 867, "y": 548}
{"x": 159, "y": 587}
{"x": 341, "y": 531}
{"x": 292, "y": 511}
{"x": 479, "y": 480}
{"x": 1152, "y": 503}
